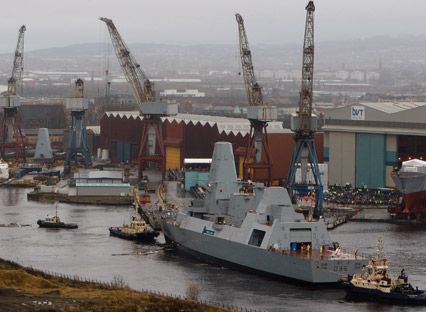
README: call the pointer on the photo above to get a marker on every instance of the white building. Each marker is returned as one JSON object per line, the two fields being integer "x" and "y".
{"x": 187, "y": 93}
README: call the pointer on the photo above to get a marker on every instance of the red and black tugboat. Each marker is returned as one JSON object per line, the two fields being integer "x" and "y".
{"x": 374, "y": 284}
{"x": 55, "y": 222}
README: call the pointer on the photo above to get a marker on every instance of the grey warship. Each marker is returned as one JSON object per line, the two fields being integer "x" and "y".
{"x": 255, "y": 227}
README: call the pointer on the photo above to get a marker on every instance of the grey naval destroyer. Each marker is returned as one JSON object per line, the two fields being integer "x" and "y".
{"x": 254, "y": 227}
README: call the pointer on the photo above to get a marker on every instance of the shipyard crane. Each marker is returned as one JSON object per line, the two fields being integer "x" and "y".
{"x": 257, "y": 156}
{"x": 10, "y": 132}
{"x": 77, "y": 135}
{"x": 143, "y": 92}
{"x": 304, "y": 125}
{"x": 18, "y": 64}
{"x": 151, "y": 146}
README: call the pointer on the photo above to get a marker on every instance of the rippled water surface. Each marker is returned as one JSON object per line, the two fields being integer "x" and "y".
{"x": 89, "y": 251}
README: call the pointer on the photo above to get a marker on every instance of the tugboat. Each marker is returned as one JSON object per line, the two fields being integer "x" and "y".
{"x": 375, "y": 284}
{"x": 55, "y": 222}
{"x": 137, "y": 230}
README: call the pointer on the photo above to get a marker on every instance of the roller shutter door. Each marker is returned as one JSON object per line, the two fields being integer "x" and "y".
{"x": 172, "y": 157}
{"x": 370, "y": 160}
{"x": 126, "y": 151}
{"x": 341, "y": 165}
{"x": 120, "y": 151}
{"x": 241, "y": 167}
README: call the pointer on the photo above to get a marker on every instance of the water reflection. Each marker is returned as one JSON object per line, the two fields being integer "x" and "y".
{"x": 10, "y": 196}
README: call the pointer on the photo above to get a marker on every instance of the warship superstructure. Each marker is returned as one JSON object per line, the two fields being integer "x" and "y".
{"x": 254, "y": 227}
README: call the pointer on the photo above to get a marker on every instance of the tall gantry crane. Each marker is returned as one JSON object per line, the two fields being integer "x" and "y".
{"x": 10, "y": 131}
{"x": 304, "y": 125}
{"x": 151, "y": 146}
{"x": 77, "y": 136}
{"x": 257, "y": 155}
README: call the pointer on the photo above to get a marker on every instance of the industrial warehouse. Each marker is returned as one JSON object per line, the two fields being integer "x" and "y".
{"x": 193, "y": 136}
{"x": 365, "y": 142}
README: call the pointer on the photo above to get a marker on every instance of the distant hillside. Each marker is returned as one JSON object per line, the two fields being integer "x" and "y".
{"x": 399, "y": 53}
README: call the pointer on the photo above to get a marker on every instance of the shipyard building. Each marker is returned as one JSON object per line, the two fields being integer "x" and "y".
{"x": 364, "y": 142}
{"x": 189, "y": 136}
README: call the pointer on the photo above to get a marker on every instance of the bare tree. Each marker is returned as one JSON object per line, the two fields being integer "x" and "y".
{"x": 119, "y": 282}
{"x": 193, "y": 292}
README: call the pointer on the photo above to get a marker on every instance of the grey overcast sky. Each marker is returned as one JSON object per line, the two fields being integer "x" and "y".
{"x": 52, "y": 23}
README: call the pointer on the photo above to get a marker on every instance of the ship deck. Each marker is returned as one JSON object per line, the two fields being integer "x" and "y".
{"x": 322, "y": 255}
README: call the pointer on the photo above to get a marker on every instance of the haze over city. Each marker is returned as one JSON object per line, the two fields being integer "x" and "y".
{"x": 53, "y": 23}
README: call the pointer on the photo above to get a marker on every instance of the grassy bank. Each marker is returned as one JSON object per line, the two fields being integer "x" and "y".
{"x": 26, "y": 289}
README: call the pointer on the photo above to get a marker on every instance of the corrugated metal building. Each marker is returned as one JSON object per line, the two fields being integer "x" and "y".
{"x": 193, "y": 136}
{"x": 364, "y": 142}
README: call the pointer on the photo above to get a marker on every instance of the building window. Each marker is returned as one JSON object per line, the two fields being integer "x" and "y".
{"x": 256, "y": 238}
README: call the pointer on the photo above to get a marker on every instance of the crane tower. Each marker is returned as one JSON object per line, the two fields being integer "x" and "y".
{"x": 77, "y": 137}
{"x": 257, "y": 155}
{"x": 151, "y": 145}
{"x": 10, "y": 132}
{"x": 304, "y": 125}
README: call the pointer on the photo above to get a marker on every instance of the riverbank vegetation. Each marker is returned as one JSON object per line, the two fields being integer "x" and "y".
{"x": 27, "y": 289}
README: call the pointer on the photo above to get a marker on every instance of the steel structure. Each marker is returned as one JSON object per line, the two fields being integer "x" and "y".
{"x": 10, "y": 132}
{"x": 77, "y": 149}
{"x": 257, "y": 156}
{"x": 304, "y": 125}
{"x": 143, "y": 88}
{"x": 151, "y": 146}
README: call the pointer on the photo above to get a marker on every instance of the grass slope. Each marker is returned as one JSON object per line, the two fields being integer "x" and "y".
{"x": 25, "y": 289}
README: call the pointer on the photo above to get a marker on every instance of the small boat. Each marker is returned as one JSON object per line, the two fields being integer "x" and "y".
{"x": 374, "y": 284}
{"x": 55, "y": 222}
{"x": 137, "y": 230}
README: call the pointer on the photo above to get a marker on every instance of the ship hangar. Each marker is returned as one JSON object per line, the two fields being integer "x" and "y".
{"x": 365, "y": 141}
{"x": 193, "y": 136}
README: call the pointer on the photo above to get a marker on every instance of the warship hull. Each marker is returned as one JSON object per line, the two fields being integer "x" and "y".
{"x": 413, "y": 191}
{"x": 249, "y": 258}
{"x": 255, "y": 227}
{"x": 410, "y": 180}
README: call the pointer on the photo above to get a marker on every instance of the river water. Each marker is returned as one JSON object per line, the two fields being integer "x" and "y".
{"x": 89, "y": 251}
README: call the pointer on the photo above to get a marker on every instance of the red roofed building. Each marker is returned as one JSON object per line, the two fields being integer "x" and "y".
{"x": 193, "y": 136}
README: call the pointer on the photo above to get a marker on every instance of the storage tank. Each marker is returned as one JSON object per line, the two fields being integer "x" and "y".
{"x": 105, "y": 154}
